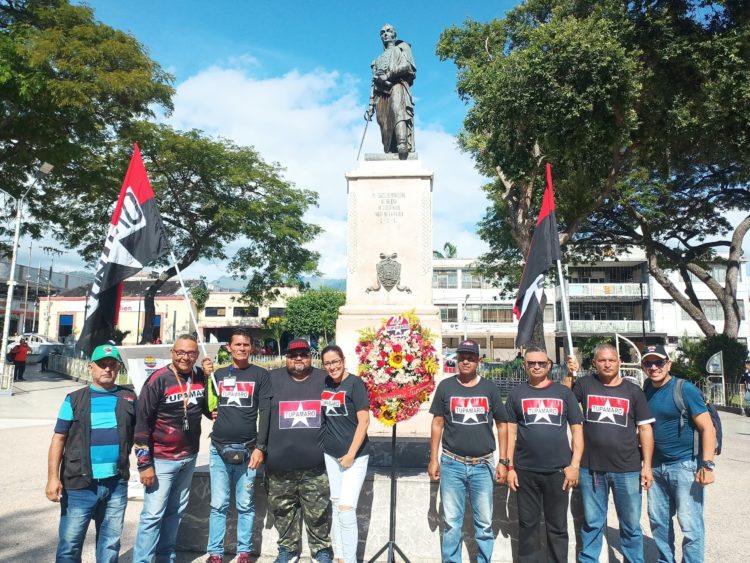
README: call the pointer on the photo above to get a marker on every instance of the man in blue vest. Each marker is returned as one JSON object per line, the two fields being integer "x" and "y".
{"x": 88, "y": 460}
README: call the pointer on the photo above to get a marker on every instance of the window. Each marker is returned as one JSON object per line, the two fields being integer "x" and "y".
{"x": 448, "y": 313}
{"x": 216, "y": 312}
{"x": 245, "y": 311}
{"x": 470, "y": 279}
{"x": 604, "y": 311}
{"x": 489, "y": 313}
{"x": 64, "y": 326}
{"x": 277, "y": 311}
{"x": 444, "y": 279}
{"x": 713, "y": 310}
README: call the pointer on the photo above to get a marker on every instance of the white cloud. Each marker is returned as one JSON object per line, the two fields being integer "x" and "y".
{"x": 312, "y": 124}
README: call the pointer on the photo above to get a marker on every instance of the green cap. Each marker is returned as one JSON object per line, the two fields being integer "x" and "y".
{"x": 105, "y": 351}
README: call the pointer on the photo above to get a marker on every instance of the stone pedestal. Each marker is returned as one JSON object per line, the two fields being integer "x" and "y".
{"x": 389, "y": 257}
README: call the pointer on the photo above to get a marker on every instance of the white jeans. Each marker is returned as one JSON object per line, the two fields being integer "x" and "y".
{"x": 346, "y": 485}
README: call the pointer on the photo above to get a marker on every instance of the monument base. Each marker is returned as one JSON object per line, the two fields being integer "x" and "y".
{"x": 352, "y": 320}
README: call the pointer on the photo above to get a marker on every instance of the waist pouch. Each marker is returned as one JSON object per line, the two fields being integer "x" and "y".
{"x": 234, "y": 453}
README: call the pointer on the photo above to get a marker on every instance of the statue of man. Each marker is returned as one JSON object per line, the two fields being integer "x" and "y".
{"x": 393, "y": 73}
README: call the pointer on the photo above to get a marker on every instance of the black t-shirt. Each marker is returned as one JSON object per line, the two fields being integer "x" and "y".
{"x": 611, "y": 414}
{"x": 340, "y": 406}
{"x": 542, "y": 416}
{"x": 296, "y": 429}
{"x": 240, "y": 392}
{"x": 469, "y": 413}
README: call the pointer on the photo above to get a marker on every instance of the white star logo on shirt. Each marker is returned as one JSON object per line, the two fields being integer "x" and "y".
{"x": 330, "y": 409}
{"x": 234, "y": 397}
{"x": 300, "y": 417}
{"x": 607, "y": 412}
{"x": 471, "y": 416}
{"x": 544, "y": 414}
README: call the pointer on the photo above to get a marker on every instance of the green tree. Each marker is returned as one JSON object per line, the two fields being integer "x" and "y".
{"x": 68, "y": 86}
{"x": 275, "y": 327}
{"x": 314, "y": 312}
{"x": 199, "y": 295}
{"x": 449, "y": 251}
{"x": 643, "y": 109}
{"x": 211, "y": 193}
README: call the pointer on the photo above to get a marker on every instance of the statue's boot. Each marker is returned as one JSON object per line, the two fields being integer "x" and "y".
{"x": 402, "y": 140}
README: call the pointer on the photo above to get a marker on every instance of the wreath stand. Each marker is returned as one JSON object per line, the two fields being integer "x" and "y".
{"x": 390, "y": 545}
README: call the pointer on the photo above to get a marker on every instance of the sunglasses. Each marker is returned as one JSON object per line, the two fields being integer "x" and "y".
{"x": 654, "y": 363}
{"x": 295, "y": 355}
{"x": 537, "y": 364}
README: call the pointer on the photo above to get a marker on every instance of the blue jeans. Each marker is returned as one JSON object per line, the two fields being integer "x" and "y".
{"x": 103, "y": 502}
{"x": 626, "y": 490}
{"x": 675, "y": 491}
{"x": 223, "y": 474}
{"x": 163, "y": 505}
{"x": 455, "y": 479}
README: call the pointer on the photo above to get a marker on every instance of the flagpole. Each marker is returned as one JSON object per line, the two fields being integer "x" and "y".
{"x": 201, "y": 343}
{"x": 566, "y": 313}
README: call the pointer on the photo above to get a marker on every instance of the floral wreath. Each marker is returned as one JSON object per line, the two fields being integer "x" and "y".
{"x": 397, "y": 364}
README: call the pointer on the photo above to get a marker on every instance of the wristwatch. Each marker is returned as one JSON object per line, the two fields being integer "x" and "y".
{"x": 505, "y": 462}
{"x": 708, "y": 465}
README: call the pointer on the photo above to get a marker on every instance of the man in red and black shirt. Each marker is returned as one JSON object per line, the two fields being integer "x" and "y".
{"x": 167, "y": 434}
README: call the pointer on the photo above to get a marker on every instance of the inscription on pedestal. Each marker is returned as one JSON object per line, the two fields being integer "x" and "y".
{"x": 388, "y": 207}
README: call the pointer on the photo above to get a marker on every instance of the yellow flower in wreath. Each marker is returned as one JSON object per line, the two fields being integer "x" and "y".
{"x": 431, "y": 366}
{"x": 396, "y": 360}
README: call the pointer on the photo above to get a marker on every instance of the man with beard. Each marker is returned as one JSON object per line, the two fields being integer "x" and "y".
{"x": 295, "y": 468}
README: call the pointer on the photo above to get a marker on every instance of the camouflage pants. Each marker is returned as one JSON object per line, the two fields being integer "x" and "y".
{"x": 294, "y": 496}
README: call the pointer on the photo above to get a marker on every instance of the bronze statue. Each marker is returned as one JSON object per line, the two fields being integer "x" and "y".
{"x": 393, "y": 73}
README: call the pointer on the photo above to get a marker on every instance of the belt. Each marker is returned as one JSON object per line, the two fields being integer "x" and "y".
{"x": 468, "y": 460}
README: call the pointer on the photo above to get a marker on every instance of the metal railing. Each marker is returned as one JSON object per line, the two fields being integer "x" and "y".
{"x": 77, "y": 368}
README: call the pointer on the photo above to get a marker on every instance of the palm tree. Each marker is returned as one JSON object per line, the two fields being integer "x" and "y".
{"x": 449, "y": 251}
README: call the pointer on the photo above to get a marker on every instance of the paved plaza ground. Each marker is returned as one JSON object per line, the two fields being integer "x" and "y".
{"x": 28, "y": 521}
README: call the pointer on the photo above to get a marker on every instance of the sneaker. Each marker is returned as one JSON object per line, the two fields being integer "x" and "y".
{"x": 214, "y": 559}
{"x": 286, "y": 556}
{"x": 243, "y": 558}
{"x": 324, "y": 555}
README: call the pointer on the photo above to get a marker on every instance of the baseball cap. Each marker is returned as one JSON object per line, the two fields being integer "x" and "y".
{"x": 105, "y": 351}
{"x": 468, "y": 347}
{"x": 655, "y": 350}
{"x": 298, "y": 344}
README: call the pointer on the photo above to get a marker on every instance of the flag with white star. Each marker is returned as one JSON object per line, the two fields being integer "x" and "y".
{"x": 136, "y": 237}
{"x": 334, "y": 403}
{"x": 542, "y": 411}
{"x": 607, "y": 410}
{"x": 299, "y": 414}
{"x": 469, "y": 410}
{"x": 240, "y": 394}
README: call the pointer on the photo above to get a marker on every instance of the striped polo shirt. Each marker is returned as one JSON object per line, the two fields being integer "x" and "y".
{"x": 105, "y": 439}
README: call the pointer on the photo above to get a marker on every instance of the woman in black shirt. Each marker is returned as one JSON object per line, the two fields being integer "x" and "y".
{"x": 345, "y": 407}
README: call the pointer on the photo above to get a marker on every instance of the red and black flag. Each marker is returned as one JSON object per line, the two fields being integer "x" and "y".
{"x": 136, "y": 237}
{"x": 544, "y": 252}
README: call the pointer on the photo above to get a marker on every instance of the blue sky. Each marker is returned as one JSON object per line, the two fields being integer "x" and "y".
{"x": 186, "y": 37}
{"x": 292, "y": 79}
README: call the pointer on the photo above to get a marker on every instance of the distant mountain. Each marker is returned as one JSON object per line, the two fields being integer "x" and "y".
{"x": 230, "y": 284}
{"x": 331, "y": 283}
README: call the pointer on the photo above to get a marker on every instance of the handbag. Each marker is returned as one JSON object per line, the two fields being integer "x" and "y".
{"x": 234, "y": 453}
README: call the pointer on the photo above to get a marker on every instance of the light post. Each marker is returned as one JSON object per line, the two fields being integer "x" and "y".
{"x": 466, "y": 335}
{"x": 45, "y": 169}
